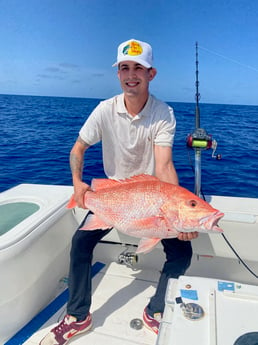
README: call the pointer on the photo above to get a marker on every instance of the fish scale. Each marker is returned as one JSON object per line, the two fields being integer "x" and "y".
{"x": 145, "y": 202}
{"x": 145, "y": 207}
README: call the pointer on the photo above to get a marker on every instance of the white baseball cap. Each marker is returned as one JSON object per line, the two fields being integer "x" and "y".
{"x": 134, "y": 50}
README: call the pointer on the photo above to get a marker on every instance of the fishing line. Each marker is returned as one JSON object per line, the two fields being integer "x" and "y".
{"x": 224, "y": 237}
{"x": 239, "y": 258}
{"x": 235, "y": 252}
{"x": 230, "y": 59}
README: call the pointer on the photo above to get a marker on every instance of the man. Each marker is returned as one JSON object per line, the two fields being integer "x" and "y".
{"x": 137, "y": 133}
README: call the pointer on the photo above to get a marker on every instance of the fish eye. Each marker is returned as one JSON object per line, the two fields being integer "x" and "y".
{"x": 192, "y": 203}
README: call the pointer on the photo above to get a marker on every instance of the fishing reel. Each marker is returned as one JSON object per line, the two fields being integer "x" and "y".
{"x": 201, "y": 140}
{"x": 127, "y": 258}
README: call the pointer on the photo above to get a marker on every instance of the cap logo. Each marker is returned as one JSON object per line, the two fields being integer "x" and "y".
{"x": 132, "y": 49}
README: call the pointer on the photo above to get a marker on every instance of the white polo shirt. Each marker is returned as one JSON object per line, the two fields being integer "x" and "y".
{"x": 128, "y": 141}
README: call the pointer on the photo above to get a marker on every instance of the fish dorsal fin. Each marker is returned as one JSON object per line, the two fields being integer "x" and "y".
{"x": 102, "y": 183}
{"x": 98, "y": 184}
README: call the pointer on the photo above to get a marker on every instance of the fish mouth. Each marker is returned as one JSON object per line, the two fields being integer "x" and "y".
{"x": 211, "y": 222}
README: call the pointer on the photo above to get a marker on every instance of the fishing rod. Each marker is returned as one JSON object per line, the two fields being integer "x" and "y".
{"x": 197, "y": 93}
{"x": 199, "y": 139}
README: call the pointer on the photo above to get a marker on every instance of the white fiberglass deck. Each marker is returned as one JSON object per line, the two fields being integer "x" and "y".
{"x": 214, "y": 312}
{"x": 119, "y": 295}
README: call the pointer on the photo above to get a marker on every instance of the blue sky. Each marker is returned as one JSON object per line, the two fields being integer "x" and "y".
{"x": 67, "y": 47}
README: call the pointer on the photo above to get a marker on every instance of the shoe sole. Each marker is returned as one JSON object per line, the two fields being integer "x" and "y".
{"x": 83, "y": 330}
{"x": 149, "y": 327}
{"x": 78, "y": 333}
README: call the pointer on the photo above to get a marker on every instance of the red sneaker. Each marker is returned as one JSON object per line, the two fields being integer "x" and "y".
{"x": 152, "y": 322}
{"x": 68, "y": 328}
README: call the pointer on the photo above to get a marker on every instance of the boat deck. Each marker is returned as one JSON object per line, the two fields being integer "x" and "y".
{"x": 119, "y": 296}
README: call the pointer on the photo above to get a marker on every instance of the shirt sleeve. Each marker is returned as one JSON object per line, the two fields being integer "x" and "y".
{"x": 166, "y": 127}
{"x": 91, "y": 131}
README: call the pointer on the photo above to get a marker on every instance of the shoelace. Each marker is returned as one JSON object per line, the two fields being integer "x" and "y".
{"x": 63, "y": 326}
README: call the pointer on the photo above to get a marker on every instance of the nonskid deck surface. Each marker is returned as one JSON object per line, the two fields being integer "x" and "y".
{"x": 119, "y": 295}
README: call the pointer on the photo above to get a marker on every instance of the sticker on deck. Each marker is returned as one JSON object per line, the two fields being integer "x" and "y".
{"x": 190, "y": 294}
{"x": 222, "y": 286}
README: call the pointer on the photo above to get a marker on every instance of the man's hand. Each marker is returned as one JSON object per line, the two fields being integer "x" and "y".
{"x": 79, "y": 191}
{"x": 187, "y": 236}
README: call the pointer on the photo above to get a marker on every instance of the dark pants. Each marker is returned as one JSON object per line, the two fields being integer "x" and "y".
{"x": 178, "y": 258}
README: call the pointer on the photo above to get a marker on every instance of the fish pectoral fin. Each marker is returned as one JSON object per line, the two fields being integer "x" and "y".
{"x": 146, "y": 245}
{"x": 150, "y": 222}
{"x": 94, "y": 223}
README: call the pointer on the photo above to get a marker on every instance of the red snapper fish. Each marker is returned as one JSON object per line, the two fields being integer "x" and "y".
{"x": 145, "y": 207}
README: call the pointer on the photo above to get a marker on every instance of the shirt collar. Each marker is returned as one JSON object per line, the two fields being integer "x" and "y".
{"x": 121, "y": 109}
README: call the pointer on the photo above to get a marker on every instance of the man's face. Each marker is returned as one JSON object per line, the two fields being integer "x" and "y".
{"x": 134, "y": 77}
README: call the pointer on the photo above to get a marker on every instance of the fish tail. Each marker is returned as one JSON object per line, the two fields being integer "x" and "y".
{"x": 71, "y": 203}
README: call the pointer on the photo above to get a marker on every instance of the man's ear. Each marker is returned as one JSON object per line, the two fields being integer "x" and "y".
{"x": 118, "y": 74}
{"x": 152, "y": 73}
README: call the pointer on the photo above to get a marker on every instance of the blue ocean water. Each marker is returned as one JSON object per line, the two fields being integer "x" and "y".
{"x": 37, "y": 134}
